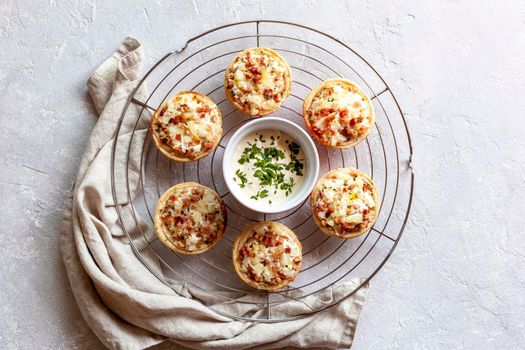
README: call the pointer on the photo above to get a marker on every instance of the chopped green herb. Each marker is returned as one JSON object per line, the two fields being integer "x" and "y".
{"x": 288, "y": 186}
{"x": 295, "y": 166}
{"x": 294, "y": 148}
{"x": 244, "y": 158}
{"x": 260, "y": 194}
{"x": 267, "y": 168}
{"x": 242, "y": 177}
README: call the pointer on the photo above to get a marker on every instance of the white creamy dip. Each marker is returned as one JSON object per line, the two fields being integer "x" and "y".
{"x": 269, "y": 166}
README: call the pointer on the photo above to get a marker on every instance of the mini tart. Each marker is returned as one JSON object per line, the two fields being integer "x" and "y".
{"x": 267, "y": 255}
{"x": 257, "y": 81}
{"x": 187, "y": 127}
{"x": 190, "y": 218}
{"x": 345, "y": 203}
{"x": 338, "y": 113}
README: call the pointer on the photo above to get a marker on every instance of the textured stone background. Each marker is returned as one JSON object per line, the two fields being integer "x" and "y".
{"x": 457, "y": 279}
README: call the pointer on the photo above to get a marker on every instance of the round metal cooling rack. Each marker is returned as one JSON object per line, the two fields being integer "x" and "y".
{"x": 140, "y": 174}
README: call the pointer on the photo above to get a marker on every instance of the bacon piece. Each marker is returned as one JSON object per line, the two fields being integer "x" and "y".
{"x": 197, "y": 191}
{"x": 282, "y": 275}
{"x": 347, "y": 132}
{"x": 268, "y": 94}
{"x": 208, "y": 145}
{"x": 167, "y": 220}
{"x": 252, "y": 275}
{"x": 320, "y": 207}
{"x": 330, "y": 118}
{"x": 317, "y": 130}
{"x": 325, "y": 111}
{"x": 348, "y": 227}
{"x": 244, "y": 252}
{"x": 203, "y": 109}
{"x": 182, "y": 234}
{"x": 249, "y": 63}
{"x": 270, "y": 239}
{"x": 205, "y": 229}
{"x": 176, "y": 119}
{"x": 211, "y": 238}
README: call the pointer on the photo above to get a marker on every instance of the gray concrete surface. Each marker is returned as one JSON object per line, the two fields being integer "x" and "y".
{"x": 457, "y": 280}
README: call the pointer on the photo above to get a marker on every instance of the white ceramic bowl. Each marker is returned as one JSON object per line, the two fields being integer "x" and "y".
{"x": 311, "y": 168}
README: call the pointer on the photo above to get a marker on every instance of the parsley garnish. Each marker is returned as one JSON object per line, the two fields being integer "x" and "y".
{"x": 295, "y": 165}
{"x": 288, "y": 186}
{"x": 242, "y": 177}
{"x": 260, "y": 194}
{"x": 268, "y": 167}
{"x": 294, "y": 148}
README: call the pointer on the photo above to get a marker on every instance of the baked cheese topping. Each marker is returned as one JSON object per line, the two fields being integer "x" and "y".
{"x": 257, "y": 80}
{"x": 269, "y": 256}
{"x": 345, "y": 202}
{"x": 188, "y": 124}
{"x": 192, "y": 218}
{"x": 339, "y": 114}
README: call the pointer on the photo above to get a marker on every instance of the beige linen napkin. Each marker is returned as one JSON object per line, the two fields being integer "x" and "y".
{"x": 125, "y": 305}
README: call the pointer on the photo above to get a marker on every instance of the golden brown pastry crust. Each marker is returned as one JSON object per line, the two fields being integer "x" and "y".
{"x": 169, "y": 151}
{"x": 347, "y": 130}
{"x": 163, "y": 233}
{"x": 285, "y": 91}
{"x": 247, "y": 233}
{"x": 331, "y": 230}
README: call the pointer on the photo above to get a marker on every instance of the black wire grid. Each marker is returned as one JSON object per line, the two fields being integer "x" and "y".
{"x": 200, "y": 65}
